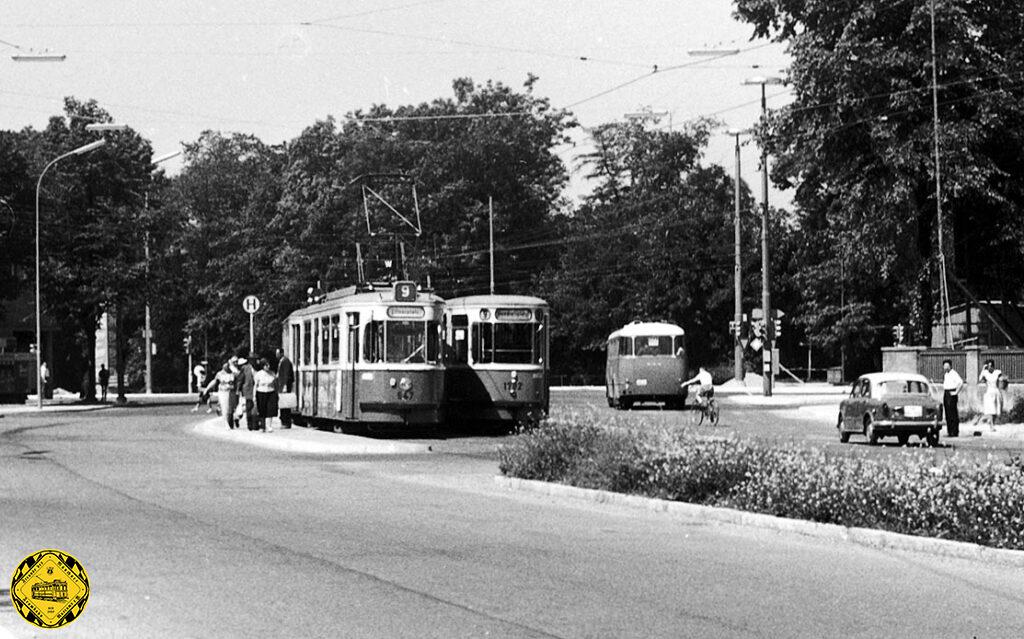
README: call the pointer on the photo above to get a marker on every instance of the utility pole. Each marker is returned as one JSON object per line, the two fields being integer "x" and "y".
{"x": 947, "y": 333}
{"x": 490, "y": 217}
{"x": 737, "y": 266}
{"x": 769, "y": 341}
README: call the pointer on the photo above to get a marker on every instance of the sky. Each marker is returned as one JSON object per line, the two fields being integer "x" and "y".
{"x": 172, "y": 70}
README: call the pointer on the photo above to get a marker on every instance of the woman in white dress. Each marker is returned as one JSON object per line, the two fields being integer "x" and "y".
{"x": 991, "y": 401}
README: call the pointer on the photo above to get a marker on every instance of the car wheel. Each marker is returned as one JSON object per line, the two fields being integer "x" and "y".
{"x": 932, "y": 438}
{"x": 844, "y": 436}
{"x": 611, "y": 403}
{"x": 903, "y": 439}
{"x": 869, "y": 430}
{"x": 626, "y": 404}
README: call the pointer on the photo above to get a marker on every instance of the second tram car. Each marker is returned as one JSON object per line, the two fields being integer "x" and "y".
{"x": 369, "y": 355}
{"x": 646, "y": 363}
{"x": 498, "y": 371}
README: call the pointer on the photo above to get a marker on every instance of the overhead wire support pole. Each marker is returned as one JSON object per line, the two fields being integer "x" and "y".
{"x": 490, "y": 219}
{"x": 947, "y": 332}
{"x": 737, "y": 267}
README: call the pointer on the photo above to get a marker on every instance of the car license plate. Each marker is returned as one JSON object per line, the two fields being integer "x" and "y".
{"x": 641, "y": 382}
{"x": 912, "y": 411}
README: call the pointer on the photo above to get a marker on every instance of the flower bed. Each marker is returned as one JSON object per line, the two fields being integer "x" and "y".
{"x": 911, "y": 493}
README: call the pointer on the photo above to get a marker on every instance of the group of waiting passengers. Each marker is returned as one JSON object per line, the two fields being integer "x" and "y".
{"x": 250, "y": 387}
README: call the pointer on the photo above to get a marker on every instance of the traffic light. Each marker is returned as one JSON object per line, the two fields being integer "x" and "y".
{"x": 186, "y": 343}
{"x": 777, "y": 325}
{"x": 897, "y": 334}
{"x": 734, "y": 327}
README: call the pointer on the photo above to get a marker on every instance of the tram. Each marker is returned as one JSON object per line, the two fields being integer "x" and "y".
{"x": 369, "y": 355}
{"x": 498, "y": 370}
{"x": 646, "y": 363}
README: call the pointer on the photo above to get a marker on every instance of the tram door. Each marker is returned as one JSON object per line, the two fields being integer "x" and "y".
{"x": 349, "y": 376}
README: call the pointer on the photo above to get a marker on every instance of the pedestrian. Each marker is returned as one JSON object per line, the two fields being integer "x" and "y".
{"x": 952, "y": 384}
{"x": 104, "y": 377}
{"x": 246, "y": 383}
{"x": 266, "y": 395}
{"x": 991, "y": 401}
{"x": 227, "y": 393}
{"x": 44, "y": 381}
{"x": 285, "y": 390}
{"x": 199, "y": 373}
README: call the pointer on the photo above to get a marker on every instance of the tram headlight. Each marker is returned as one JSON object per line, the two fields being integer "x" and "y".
{"x": 485, "y": 314}
{"x": 392, "y": 382}
{"x": 405, "y": 384}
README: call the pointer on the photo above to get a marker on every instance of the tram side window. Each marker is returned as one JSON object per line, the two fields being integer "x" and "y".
{"x": 296, "y": 339}
{"x": 625, "y": 346}
{"x": 307, "y": 342}
{"x": 433, "y": 342}
{"x": 373, "y": 342}
{"x": 335, "y": 338}
{"x": 325, "y": 340}
{"x": 483, "y": 343}
{"x": 460, "y": 339}
{"x": 353, "y": 336}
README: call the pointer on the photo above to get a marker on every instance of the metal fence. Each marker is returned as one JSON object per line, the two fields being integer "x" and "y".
{"x": 929, "y": 363}
{"x": 1011, "y": 362}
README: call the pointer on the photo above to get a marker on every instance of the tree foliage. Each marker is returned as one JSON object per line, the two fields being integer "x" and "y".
{"x": 857, "y": 145}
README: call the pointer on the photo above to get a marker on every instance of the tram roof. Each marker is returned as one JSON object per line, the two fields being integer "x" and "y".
{"x": 495, "y": 300}
{"x": 647, "y": 328}
{"x": 362, "y": 296}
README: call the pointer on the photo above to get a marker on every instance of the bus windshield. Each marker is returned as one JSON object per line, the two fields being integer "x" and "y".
{"x": 402, "y": 342}
{"x": 508, "y": 343}
{"x": 652, "y": 345}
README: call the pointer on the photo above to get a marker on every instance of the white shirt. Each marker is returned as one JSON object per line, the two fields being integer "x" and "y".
{"x": 952, "y": 381}
{"x": 265, "y": 382}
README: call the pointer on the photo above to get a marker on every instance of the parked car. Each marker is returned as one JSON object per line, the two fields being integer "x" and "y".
{"x": 886, "y": 404}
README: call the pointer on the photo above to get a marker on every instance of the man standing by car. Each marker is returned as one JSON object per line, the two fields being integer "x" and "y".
{"x": 952, "y": 384}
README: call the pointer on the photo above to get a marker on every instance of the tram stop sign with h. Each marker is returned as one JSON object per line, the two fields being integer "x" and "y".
{"x": 251, "y": 304}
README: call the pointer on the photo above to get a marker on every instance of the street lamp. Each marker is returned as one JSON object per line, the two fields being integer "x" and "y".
{"x": 769, "y": 341}
{"x": 737, "y": 265}
{"x": 39, "y": 324}
{"x": 148, "y": 331}
{"x": 105, "y": 126}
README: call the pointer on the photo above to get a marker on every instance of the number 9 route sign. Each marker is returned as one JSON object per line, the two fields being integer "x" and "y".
{"x": 251, "y": 304}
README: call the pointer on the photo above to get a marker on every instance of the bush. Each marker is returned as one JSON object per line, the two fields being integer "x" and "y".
{"x": 1016, "y": 414}
{"x": 955, "y": 499}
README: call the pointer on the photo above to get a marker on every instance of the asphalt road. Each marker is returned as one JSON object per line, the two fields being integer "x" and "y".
{"x": 185, "y": 536}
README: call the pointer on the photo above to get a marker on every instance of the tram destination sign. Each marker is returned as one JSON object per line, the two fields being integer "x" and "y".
{"x": 513, "y": 314}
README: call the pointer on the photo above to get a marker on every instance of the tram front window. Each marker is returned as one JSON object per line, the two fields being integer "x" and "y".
{"x": 402, "y": 342}
{"x": 507, "y": 343}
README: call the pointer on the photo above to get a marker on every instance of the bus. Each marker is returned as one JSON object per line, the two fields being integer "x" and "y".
{"x": 368, "y": 356}
{"x": 646, "y": 363}
{"x": 498, "y": 369}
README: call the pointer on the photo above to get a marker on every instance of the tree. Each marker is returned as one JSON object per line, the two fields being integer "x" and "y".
{"x": 654, "y": 241}
{"x": 857, "y": 144}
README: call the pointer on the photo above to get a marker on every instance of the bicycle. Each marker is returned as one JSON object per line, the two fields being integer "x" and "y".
{"x": 706, "y": 410}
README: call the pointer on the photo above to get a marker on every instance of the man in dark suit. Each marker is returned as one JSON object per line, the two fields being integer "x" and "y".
{"x": 285, "y": 384}
{"x": 246, "y": 383}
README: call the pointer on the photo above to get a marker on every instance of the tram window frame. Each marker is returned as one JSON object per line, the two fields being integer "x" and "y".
{"x": 296, "y": 342}
{"x": 325, "y": 339}
{"x": 335, "y": 328}
{"x": 352, "y": 327}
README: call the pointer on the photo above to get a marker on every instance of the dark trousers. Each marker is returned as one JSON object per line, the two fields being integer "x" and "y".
{"x": 949, "y": 408}
{"x": 251, "y": 419}
{"x": 286, "y": 417}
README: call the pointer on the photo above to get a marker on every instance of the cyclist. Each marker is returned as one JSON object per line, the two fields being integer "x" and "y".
{"x": 707, "y": 386}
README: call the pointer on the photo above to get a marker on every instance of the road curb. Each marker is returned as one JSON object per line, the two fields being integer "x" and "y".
{"x": 307, "y": 441}
{"x": 871, "y": 538}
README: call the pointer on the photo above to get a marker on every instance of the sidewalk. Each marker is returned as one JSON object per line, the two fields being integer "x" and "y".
{"x": 307, "y": 440}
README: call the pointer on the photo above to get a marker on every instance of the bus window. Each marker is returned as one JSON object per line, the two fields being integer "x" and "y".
{"x": 679, "y": 346}
{"x": 460, "y": 339}
{"x": 625, "y": 346}
{"x": 307, "y": 342}
{"x": 335, "y": 338}
{"x": 652, "y": 345}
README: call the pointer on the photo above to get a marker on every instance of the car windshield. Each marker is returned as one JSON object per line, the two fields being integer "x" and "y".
{"x": 903, "y": 387}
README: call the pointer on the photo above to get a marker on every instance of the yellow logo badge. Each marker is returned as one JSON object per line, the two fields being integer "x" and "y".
{"x": 50, "y": 588}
